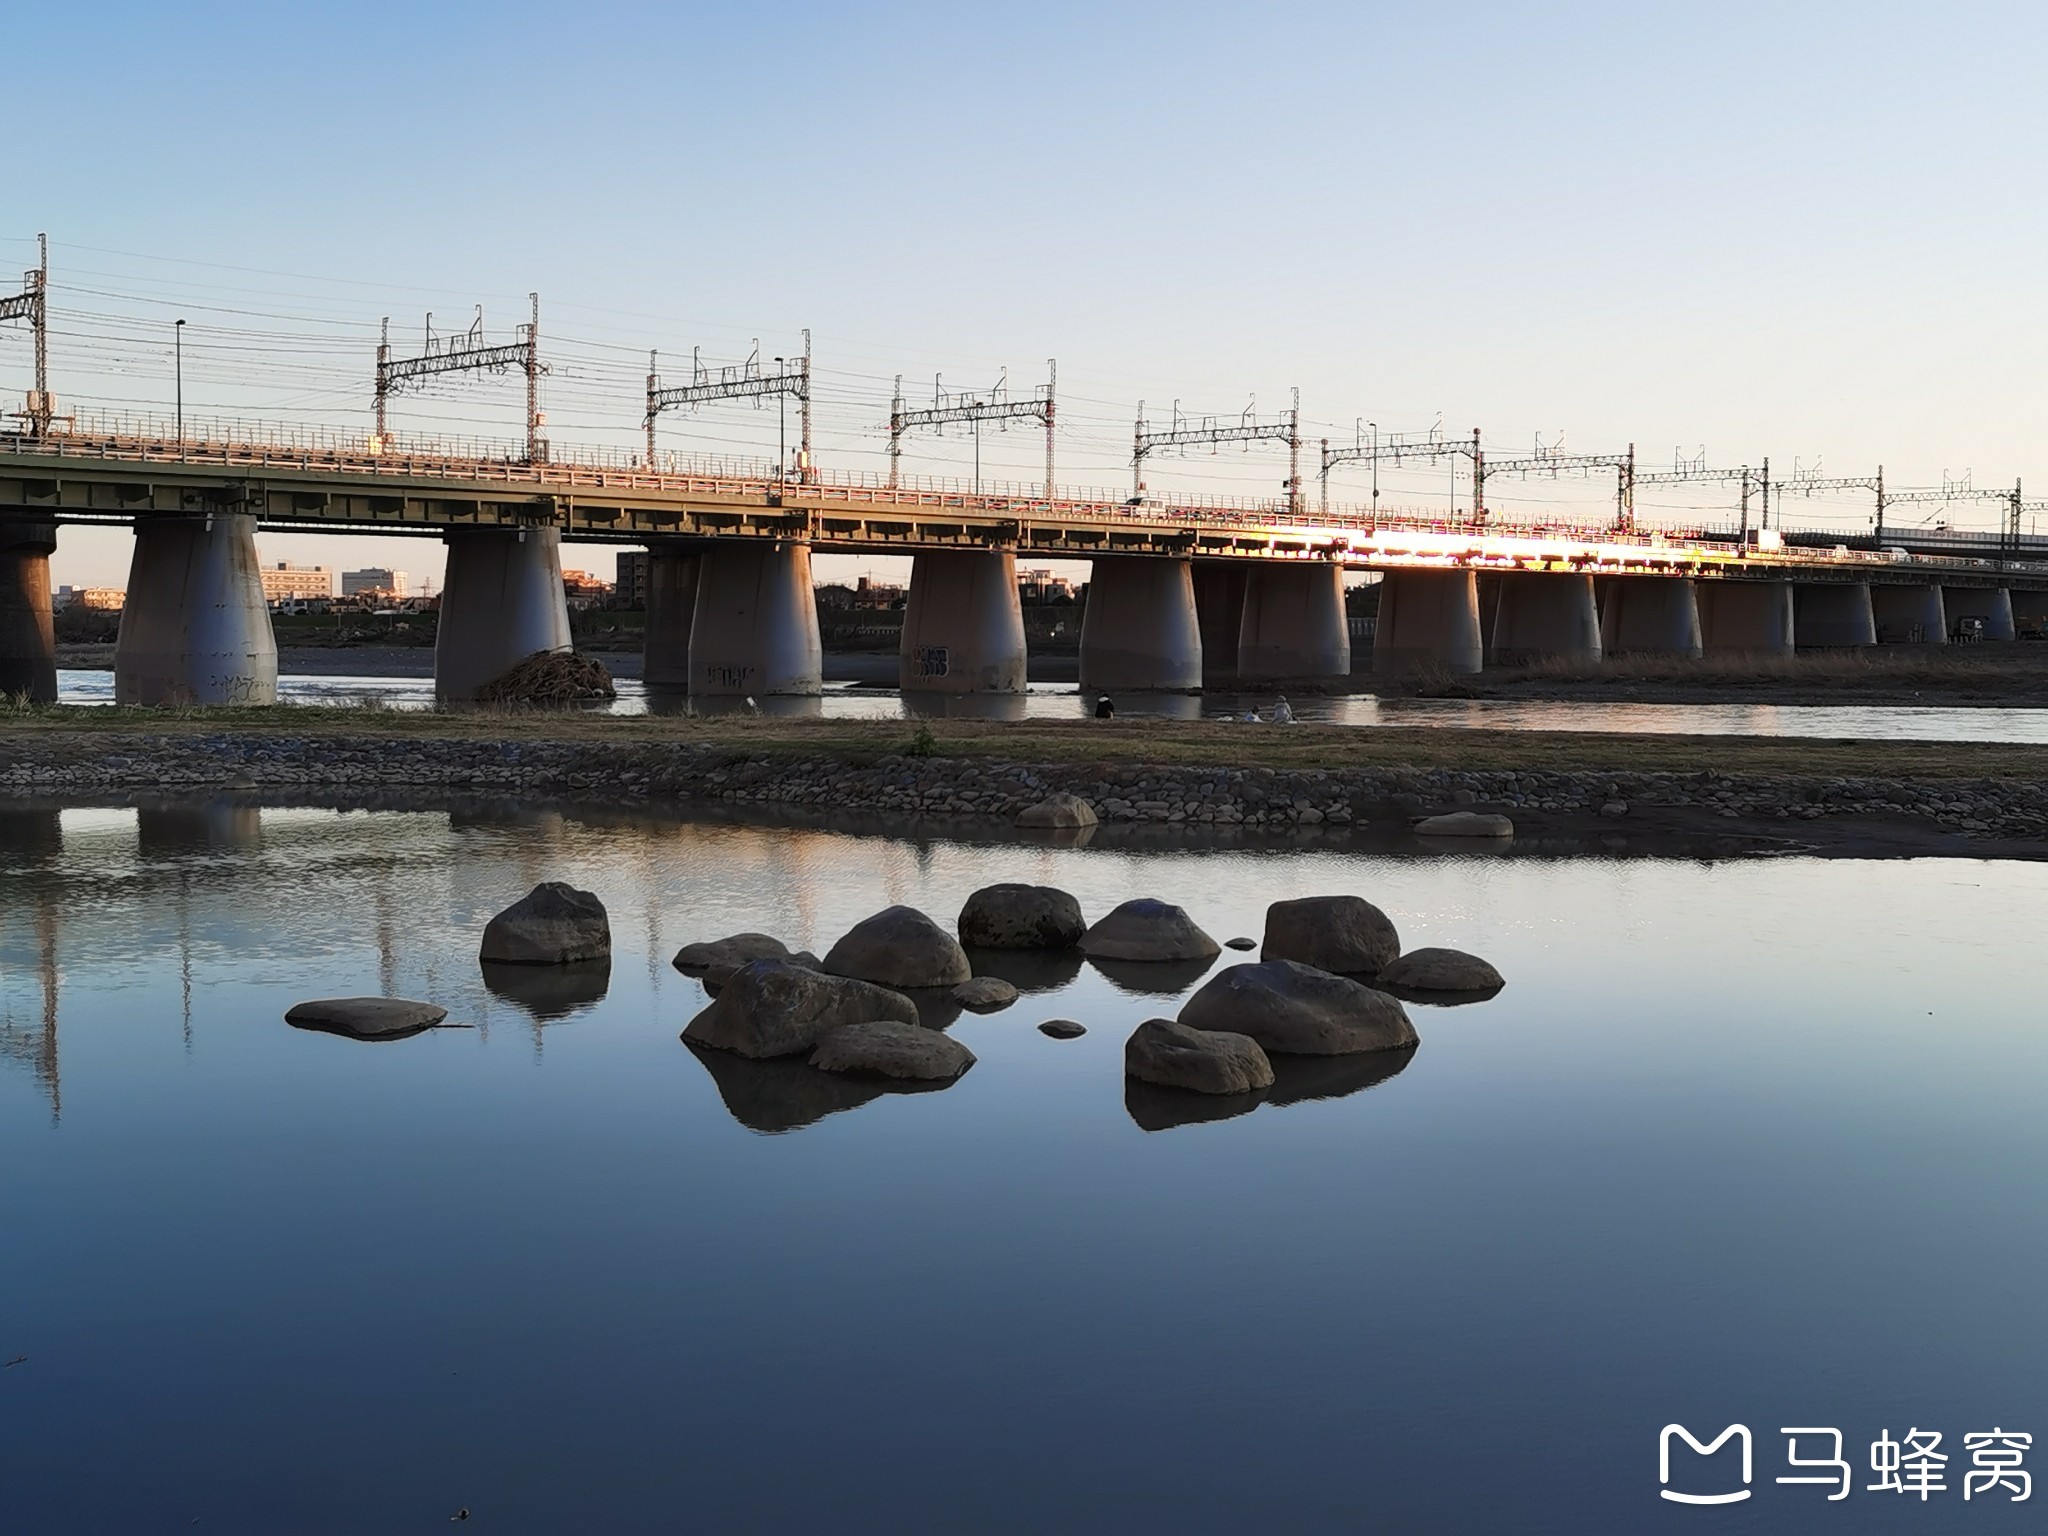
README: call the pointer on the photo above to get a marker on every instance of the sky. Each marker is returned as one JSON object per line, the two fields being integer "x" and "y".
{"x": 1802, "y": 232}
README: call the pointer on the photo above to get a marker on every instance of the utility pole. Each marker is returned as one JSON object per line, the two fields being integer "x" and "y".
{"x": 32, "y": 305}
{"x": 781, "y": 432}
{"x": 178, "y": 370}
{"x": 536, "y": 450}
{"x": 1478, "y": 481}
{"x": 1880, "y": 506}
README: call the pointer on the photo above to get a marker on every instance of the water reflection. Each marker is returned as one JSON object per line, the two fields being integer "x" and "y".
{"x": 1152, "y": 978}
{"x": 1296, "y": 1080}
{"x": 787, "y": 1093}
{"x": 548, "y": 994}
{"x": 1028, "y": 970}
{"x": 167, "y": 828}
{"x": 964, "y": 706}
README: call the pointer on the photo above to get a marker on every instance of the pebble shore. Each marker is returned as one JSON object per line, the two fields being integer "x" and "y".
{"x": 908, "y": 786}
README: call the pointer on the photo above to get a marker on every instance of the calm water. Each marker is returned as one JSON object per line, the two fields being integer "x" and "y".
{"x": 1059, "y": 701}
{"x": 1757, "y": 1142}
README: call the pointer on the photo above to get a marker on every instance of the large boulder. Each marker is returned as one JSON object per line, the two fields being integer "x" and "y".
{"x": 899, "y": 947}
{"x": 769, "y": 1008}
{"x": 1448, "y": 971}
{"x": 1479, "y": 824}
{"x": 552, "y": 924}
{"x": 1205, "y": 1061}
{"x": 1299, "y": 1010}
{"x": 714, "y": 960}
{"x": 887, "y": 1048}
{"x": 365, "y": 1018}
{"x": 1346, "y": 934}
{"x": 1146, "y": 929}
{"x": 1058, "y": 811}
{"x": 1021, "y": 917}
{"x": 984, "y": 994}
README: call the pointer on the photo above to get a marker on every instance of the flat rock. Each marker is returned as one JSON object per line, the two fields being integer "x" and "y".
{"x": 716, "y": 959}
{"x": 771, "y": 1008}
{"x": 1297, "y": 1009}
{"x": 1174, "y": 1055}
{"x": 1146, "y": 929}
{"x": 899, "y": 947}
{"x": 1332, "y": 933}
{"x": 1442, "y": 970}
{"x": 1060, "y": 810}
{"x": 552, "y": 924}
{"x": 1021, "y": 917}
{"x": 1063, "y": 1029}
{"x": 1466, "y": 824}
{"x": 366, "y": 1018}
{"x": 984, "y": 994}
{"x": 887, "y": 1048}
{"x": 1240, "y": 942}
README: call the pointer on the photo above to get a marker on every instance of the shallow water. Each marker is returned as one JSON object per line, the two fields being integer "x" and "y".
{"x": 1059, "y": 701}
{"x": 1755, "y": 1142}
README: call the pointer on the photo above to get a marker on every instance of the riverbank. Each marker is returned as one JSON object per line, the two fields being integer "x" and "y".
{"x": 1718, "y": 795}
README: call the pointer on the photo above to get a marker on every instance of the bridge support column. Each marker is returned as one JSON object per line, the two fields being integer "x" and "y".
{"x": 963, "y": 628}
{"x": 1909, "y": 615}
{"x": 671, "y": 606}
{"x": 1991, "y": 604}
{"x": 2029, "y": 612}
{"x": 501, "y": 601}
{"x": 1545, "y": 616}
{"x": 1745, "y": 617}
{"x": 1294, "y": 623}
{"x": 195, "y": 629}
{"x": 1427, "y": 619}
{"x": 755, "y": 632}
{"x": 28, "y": 639}
{"x": 1140, "y": 631}
{"x": 1651, "y": 614}
{"x": 1219, "y": 606}
{"x": 1832, "y": 614}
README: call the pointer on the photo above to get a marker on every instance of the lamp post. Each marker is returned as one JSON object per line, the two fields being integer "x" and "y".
{"x": 1375, "y": 469}
{"x": 781, "y": 429}
{"x": 178, "y": 340}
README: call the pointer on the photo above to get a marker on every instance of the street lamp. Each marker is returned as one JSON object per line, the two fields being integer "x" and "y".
{"x": 781, "y": 428}
{"x": 178, "y": 337}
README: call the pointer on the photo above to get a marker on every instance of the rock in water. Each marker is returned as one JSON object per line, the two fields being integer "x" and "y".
{"x": 984, "y": 994}
{"x": 1146, "y": 929}
{"x": 366, "y": 1018}
{"x": 1299, "y": 1010}
{"x": 1063, "y": 1029}
{"x": 899, "y": 947}
{"x": 1205, "y": 1061}
{"x": 1346, "y": 934}
{"x": 1060, "y": 810}
{"x": 1240, "y": 943}
{"x": 1442, "y": 970}
{"x": 553, "y": 924}
{"x": 891, "y": 1049}
{"x": 1021, "y": 917}
{"x": 716, "y": 959}
{"x": 1465, "y": 824}
{"x": 769, "y": 1008}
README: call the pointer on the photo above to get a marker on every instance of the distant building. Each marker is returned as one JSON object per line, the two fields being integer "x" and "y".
{"x": 377, "y": 579}
{"x": 285, "y": 582}
{"x": 584, "y": 590}
{"x": 629, "y": 590}
{"x": 109, "y": 599}
{"x": 877, "y": 594}
{"x": 1038, "y": 588}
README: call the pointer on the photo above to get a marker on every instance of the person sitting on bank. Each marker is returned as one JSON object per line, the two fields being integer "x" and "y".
{"x": 1282, "y": 715}
{"x": 1104, "y": 710}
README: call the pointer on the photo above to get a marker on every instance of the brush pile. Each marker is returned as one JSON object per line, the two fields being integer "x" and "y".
{"x": 550, "y": 679}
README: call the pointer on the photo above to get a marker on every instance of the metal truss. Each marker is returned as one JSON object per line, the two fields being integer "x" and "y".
{"x": 949, "y": 408}
{"x": 791, "y": 379}
{"x": 467, "y": 352}
{"x": 1185, "y": 432}
{"x": 32, "y": 305}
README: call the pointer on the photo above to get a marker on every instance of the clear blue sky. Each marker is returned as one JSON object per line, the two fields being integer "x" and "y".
{"x": 1784, "y": 230}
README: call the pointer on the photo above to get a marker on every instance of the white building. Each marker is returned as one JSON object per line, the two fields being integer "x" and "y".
{"x": 284, "y": 581}
{"x": 374, "y": 578}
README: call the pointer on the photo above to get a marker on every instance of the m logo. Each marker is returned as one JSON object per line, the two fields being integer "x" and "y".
{"x": 1664, "y": 1463}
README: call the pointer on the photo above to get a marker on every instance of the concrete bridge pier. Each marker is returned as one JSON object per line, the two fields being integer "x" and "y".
{"x": 963, "y": 629}
{"x": 671, "y": 606}
{"x": 1832, "y": 614}
{"x": 2029, "y": 611}
{"x": 501, "y": 601}
{"x": 1745, "y": 617}
{"x": 1219, "y": 605}
{"x": 1909, "y": 615}
{"x": 1991, "y": 604}
{"x": 1294, "y": 624}
{"x": 1545, "y": 616}
{"x": 1428, "y": 619}
{"x": 755, "y": 633}
{"x": 1650, "y": 614}
{"x": 28, "y": 640}
{"x": 1140, "y": 631}
{"x": 196, "y": 629}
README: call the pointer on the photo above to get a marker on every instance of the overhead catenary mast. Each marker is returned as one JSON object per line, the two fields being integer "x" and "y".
{"x": 466, "y": 353}
{"x": 790, "y": 378}
{"x": 974, "y": 408}
{"x": 32, "y": 305}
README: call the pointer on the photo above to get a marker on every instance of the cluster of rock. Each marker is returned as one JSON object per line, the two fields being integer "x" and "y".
{"x": 1027, "y": 795}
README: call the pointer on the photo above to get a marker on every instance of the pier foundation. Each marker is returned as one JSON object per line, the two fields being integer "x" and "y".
{"x": 501, "y": 601}
{"x": 1832, "y": 614}
{"x": 1545, "y": 616}
{"x": 1745, "y": 617}
{"x": 1909, "y": 615}
{"x": 195, "y": 629}
{"x": 1428, "y": 619}
{"x": 1140, "y": 631}
{"x": 1991, "y": 604}
{"x": 1656, "y": 615}
{"x": 963, "y": 629}
{"x": 1294, "y": 624}
{"x": 28, "y": 639}
{"x": 755, "y": 633}
{"x": 671, "y": 607}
